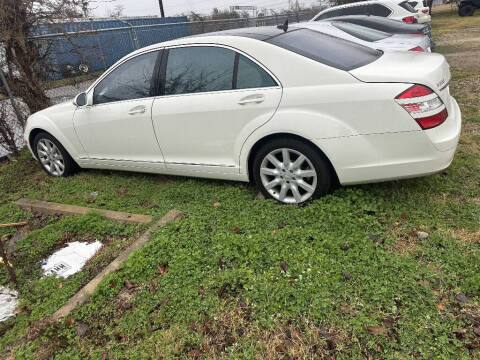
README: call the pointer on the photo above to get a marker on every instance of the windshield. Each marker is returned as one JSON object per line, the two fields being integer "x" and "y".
{"x": 361, "y": 32}
{"x": 326, "y": 49}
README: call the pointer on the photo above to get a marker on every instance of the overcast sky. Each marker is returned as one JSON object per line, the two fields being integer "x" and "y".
{"x": 101, "y": 8}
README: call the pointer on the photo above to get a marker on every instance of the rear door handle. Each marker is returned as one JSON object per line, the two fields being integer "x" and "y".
{"x": 257, "y": 99}
{"x": 137, "y": 110}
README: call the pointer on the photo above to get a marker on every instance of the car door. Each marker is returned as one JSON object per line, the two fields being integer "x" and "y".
{"x": 212, "y": 98}
{"x": 117, "y": 127}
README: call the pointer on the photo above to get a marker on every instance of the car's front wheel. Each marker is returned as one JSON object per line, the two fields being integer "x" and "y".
{"x": 52, "y": 156}
{"x": 291, "y": 171}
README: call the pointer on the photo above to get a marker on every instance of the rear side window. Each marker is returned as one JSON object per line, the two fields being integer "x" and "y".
{"x": 131, "y": 80}
{"x": 250, "y": 75}
{"x": 354, "y": 10}
{"x": 329, "y": 14}
{"x": 361, "y": 32}
{"x": 407, "y": 7}
{"x": 413, "y": 3}
{"x": 199, "y": 69}
{"x": 329, "y": 50}
{"x": 379, "y": 10}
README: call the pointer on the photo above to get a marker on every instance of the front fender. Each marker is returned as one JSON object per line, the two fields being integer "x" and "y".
{"x": 59, "y": 124}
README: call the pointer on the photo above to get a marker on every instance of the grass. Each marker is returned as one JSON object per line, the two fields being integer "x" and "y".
{"x": 345, "y": 277}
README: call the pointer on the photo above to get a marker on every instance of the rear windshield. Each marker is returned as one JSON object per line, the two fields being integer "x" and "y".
{"x": 326, "y": 49}
{"x": 361, "y": 32}
{"x": 407, "y": 7}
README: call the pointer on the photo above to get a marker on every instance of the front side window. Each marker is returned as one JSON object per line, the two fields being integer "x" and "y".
{"x": 199, "y": 69}
{"x": 131, "y": 80}
{"x": 250, "y": 75}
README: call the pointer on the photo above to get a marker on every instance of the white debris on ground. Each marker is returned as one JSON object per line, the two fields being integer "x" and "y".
{"x": 70, "y": 259}
{"x": 8, "y": 303}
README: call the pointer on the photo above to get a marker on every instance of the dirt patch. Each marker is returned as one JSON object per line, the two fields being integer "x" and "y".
{"x": 467, "y": 237}
{"x": 460, "y": 47}
{"x": 472, "y": 128}
{"x": 124, "y": 299}
{"x": 404, "y": 245}
{"x": 292, "y": 340}
{"x": 466, "y": 61}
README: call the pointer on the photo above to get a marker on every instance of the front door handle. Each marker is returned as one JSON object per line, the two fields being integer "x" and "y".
{"x": 137, "y": 110}
{"x": 257, "y": 99}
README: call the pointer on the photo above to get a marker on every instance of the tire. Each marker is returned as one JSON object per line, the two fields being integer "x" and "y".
{"x": 279, "y": 181}
{"x": 52, "y": 156}
{"x": 466, "y": 10}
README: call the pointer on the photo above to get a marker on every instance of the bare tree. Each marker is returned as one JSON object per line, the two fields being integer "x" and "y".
{"x": 18, "y": 20}
{"x": 116, "y": 12}
{"x": 7, "y": 130}
{"x": 223, "y": 14}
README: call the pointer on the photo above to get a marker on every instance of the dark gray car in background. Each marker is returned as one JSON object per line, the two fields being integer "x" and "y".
{"x": 387, "y": 25}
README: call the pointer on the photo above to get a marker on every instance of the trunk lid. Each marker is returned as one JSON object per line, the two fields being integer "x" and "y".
{"x": 402, "y": 42}
{"x": 411, "y": 67}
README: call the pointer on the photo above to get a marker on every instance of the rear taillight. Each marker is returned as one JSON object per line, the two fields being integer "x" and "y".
{"x": 416, "y": 48}
{"x": 425, "y": 11}
{"x": 410, "y": 20}
{"x": 429, "y": 122}
{"x": 423, "y": 105}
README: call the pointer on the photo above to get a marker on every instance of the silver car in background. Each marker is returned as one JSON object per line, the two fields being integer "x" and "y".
{"x": 368, "y": 37}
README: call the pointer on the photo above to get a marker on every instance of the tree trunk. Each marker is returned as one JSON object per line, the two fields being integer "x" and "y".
{"x": 22, "y": 55}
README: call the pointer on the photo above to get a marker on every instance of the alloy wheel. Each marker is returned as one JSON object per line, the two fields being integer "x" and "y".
{"x": 288, "y": 176}
{"x": 50, "y": 157}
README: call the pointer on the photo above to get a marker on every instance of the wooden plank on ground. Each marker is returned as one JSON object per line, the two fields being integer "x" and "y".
{"x": 15, "y": 224}
{"x": 84, "y": 294}
{"x": 52, "y": 208}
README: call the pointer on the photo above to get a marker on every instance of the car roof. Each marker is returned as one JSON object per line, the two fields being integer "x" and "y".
{"x": 262, "y": 33}
{"x": 368, "y": 2}
{"x": 364, "y": 17}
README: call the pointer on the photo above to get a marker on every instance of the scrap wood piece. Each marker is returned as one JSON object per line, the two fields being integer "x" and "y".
{"x": 84, "y": 294}
{"x": 52, "y": 208}
{"x": 21, "y": 223}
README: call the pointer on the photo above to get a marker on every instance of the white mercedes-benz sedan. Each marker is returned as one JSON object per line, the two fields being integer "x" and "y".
{"x": 294, "y": 111}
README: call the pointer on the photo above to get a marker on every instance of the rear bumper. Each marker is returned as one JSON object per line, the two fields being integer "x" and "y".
{"x": 389, "y": 156}
{"x": 423, "y": 19}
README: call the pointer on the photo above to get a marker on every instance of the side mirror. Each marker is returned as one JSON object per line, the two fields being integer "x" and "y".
{"x": 80, "y": 99}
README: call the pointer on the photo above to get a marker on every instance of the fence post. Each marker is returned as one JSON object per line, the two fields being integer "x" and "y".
{"x": 99, "y": 46}
{"x": 10, "y": 96}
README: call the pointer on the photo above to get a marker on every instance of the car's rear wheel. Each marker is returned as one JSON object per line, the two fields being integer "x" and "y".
{"x": 291, "y": 171}
{"x": 466, "y": 10}
{"x": 52, "y": 156}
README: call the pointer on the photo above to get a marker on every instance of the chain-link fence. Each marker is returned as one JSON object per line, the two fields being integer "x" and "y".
{"x": 76, "y": 58}
{"x": 76, "y": 53}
